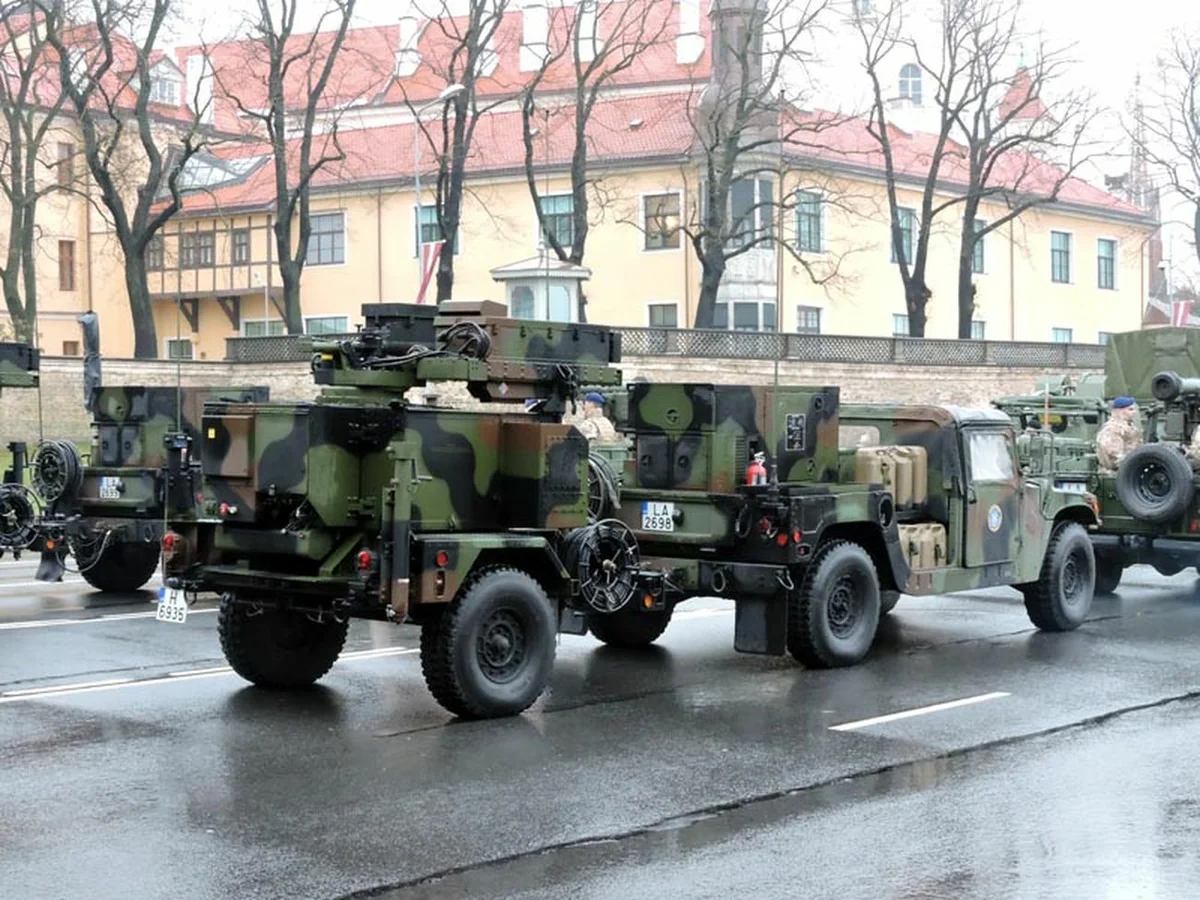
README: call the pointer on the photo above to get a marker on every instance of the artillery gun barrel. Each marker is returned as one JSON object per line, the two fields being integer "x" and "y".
{"x": 1167, "y": 386}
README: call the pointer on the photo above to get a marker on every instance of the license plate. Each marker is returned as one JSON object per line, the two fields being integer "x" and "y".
{"x": 658, "y": 517}
{"x": 110, "y": 488}
{"x": 1072, "y": 487}
{"x": 172, "y": 606}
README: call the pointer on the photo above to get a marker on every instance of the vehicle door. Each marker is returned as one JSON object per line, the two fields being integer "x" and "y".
{"x": 993, "y": 496}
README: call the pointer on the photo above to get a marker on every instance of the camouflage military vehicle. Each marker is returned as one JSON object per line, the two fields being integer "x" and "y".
{"x": 19, "y": 368}
{"x": 475, "y": 525}
{"x": 1065, "y": 407}
{"x": 108, "y": 513}
{"x": 1149, "y": 507}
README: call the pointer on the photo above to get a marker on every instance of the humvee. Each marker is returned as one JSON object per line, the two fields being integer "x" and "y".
{"x": 480, "y": 527}
{"x": 20, "y": 365}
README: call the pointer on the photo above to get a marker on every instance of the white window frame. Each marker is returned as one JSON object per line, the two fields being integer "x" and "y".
{"x": 919, "y": 80}
{"x": 760, "y": 240}
{"x": 1116, "y": 285}
{"x": 642, "y": 219}
{"x": 820, "y": 318}
{"x": 1070, "y": 335}
{"x": 456, "y": 247}
{"x": 308, "y": 263}
{"x": 1071, "y": 247}
{"x": 907, "y": 323}
{"x": 912, "y": 234}
{"x": 981, "y": 246}
{"x": 1103, "y": 337}
{"x": 823, "y": 216}
{"x": 982, "y": 323}
{"x": 246, "y": 322}
{"x": 537, "y": 226}
{"x": 158, "y": 80}
{"x": 308, "y": 319}
{"x": 650, "y": 303}
{"x": 729, "y": 315}
{"x": 168, "y": 341}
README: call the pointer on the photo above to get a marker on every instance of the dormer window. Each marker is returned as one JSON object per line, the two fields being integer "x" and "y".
{"x": 164, "y": 90}
{"x": 910, "y": 84}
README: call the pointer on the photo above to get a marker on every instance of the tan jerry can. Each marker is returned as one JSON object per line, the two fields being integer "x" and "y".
{"x": 932, "y": 541}
{"x": 920, "y": 471}
{"x": 910, "y": 545}
{"x": 871, "y": 467}
{"x": 902, "y": 491}
{"x": 938, "y": 533}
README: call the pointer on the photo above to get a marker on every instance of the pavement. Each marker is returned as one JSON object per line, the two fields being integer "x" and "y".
{"x": 969, "y": 756}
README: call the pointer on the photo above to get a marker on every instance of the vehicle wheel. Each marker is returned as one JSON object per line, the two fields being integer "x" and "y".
{"x": 1108, "y": 573}
{"x": 888, "y": 601}
{"x": 1155, "y": 483}
{"x": 491, "y": 651}
{"x": 629, "y": 627}
{"x": 123, "y": 568}
{"x": 833, "y": 617}
{"x": 276, "y": 648}
{"x": 1060, "y": 599}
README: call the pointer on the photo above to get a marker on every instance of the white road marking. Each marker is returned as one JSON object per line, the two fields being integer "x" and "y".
{"x": 702, "y": 613}
{"x": 113, "y": 617}
{"x": 920, "y": 711}
{"x": 89, "y": 687}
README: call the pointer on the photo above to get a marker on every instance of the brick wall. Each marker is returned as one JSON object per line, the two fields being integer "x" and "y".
{"x": 62, "y": 414}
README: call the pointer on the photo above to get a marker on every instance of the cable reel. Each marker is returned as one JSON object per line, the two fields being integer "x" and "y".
{"x": 18, "y": 517}
{"x": 604, "y": 558}
{"x": 603, "y": 488}
{"x": 56, "y": 470}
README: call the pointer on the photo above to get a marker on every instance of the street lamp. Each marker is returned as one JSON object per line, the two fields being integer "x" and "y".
{"x": 448, "y": 92}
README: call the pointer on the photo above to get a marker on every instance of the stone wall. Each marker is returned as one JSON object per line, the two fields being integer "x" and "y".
{"x": 62, "y": 415}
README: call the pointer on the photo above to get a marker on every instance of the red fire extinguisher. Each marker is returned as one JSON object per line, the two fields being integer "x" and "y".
{"x": 756, "y": 472}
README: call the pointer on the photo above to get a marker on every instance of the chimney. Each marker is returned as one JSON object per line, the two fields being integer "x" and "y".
{"x": 534, "y": 34}
{"x": 408, "y": 58}
{"x": 689, "y": 42}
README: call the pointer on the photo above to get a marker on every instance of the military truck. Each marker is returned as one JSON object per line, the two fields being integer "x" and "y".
{"x": 20, "y": 365}
{"x": 1149, "y": 507}
{"x": 108, "y": 512}
{"x": 1065, "y": 407}
{"x": 475, "y": 524}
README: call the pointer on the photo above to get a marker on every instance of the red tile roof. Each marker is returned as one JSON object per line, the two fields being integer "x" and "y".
{"x": 1020, "y": 101}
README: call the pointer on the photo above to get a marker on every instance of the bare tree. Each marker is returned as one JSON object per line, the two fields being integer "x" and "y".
{"x": 744, "y": 122}
{"x": 30, "y": 105}
{"x": 466, "y": 54}
{"x": 303, "y": 135}
{"x": 1168, "y": 133}
{"x": 136, "y": 156}
{"x": 596, "y": 43}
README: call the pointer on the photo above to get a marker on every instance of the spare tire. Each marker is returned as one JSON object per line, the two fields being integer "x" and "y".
{"x": 1155, "y": 483}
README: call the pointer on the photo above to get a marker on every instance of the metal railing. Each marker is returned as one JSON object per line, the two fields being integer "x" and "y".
{"x": 828, "y": 348}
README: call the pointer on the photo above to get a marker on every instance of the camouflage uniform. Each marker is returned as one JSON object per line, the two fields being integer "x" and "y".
{"x": 599, "y": 429}
{"x": 1114, "y": 441}
{"x": 1192, "y": 450}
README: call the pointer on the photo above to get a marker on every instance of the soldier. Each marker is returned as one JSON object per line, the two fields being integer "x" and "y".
{"x": 1192, "y": 450}
{"x": 1119, "y": 435}
{"x": 595, "y": 425}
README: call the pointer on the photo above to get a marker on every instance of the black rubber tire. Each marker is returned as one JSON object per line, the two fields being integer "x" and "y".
{"x": 888, "y": 601}
{"x": 1108, "y": 573}
{"x": 840, "y": 571}
{"x": 1155, "y": 483}
{"x": 123, "y": 568}
{"x": 275, "y": 648}
{"x": 509, "y": 605}
{"x": 629, "y": 627}
{"x": 1062, "y": 597}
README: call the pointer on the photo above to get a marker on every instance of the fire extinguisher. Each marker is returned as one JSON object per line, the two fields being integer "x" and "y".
{"x": 756, "y": 472}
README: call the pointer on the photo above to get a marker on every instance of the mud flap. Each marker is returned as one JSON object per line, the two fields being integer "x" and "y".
{"x": 51, "y": 567}
{"x": 571, "y": 622}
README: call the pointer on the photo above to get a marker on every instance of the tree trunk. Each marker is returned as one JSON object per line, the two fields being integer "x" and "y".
{"x": 916, "y": 297}
{"x": 293, "y": 317}
{"x": 1196, "y": 230}
{"x": 712, "y": 271}
{"x": 966, "y": 271}
{"x": 26, "y": 326}
{"x": 145, "y": 335}
{"x": 10, "y": 281}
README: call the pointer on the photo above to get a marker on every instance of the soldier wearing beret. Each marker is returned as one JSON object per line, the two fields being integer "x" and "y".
{"x": 595, "y": 425}
{"x": 1119, "y": 435}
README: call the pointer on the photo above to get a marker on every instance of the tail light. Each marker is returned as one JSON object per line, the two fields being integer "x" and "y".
{"x": 170, "y": 543}
{"x": 365, "y": 560}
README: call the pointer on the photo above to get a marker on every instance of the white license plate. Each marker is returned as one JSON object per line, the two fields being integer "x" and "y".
{"x": 658, "y": 517}
{"x": 110, "y": 488}
{"x": 1072, "y": 487}
{"x": 172, "y": 606}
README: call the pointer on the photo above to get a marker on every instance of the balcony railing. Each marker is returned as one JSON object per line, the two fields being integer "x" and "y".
{"x": 827, "y": 348}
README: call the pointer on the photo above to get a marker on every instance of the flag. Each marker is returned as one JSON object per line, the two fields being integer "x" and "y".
{"x": 1181, "y": 312}
{"x": 430, "y": 254}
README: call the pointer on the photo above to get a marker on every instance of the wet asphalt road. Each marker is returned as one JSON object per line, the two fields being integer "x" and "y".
{"x": 133, "y": 765}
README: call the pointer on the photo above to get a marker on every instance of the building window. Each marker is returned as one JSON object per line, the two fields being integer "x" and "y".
{"x": 66, "y": 265}
{"x": 1061, "y": 335}
{"x": 747, "y": 316}
{"x": 65, "y": 166}
{"x": 660, "y": 221}
{"x": 1106, "y": 264}
{"x": 860, "y": 7}
{"x": 154, "y": 254}
{"x": 908, "y": 220}
{"x": 522, "y": 302}
{"x": 751, "y": 201}
{"x": 263, "y": 327}
{"x": 179, "y": 349}
{"x": 808, "y": 222}
{"x": 1060, "y": 257}
{"x": 663, "y": 315}
{"x": 978, "y": 330}
{"x": 70, "y": 348}
{"x": 327, "y": 240}
{"x": 241, "y": 245}
{"x": 165, "y": 91}
{"x": 1102, "y": 337}
{"x": 808, "y": 319}
{"x": 977, "y": 257}
{"x": 899, "y": 325}
{"x": 196, "y": 249}
{"x": 326, "y": 325}
{"x": 910, "y": 84}
{"x": 558, "y": 215}
{"x": 430, "y": 232}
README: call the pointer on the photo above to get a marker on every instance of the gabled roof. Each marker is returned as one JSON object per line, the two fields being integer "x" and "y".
{"x": 1020, "y": 102}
